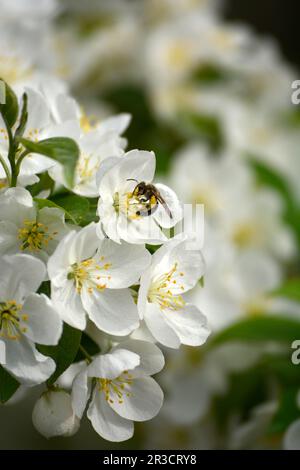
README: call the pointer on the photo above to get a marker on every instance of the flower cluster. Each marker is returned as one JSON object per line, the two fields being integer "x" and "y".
{"x": 84, "y": 247}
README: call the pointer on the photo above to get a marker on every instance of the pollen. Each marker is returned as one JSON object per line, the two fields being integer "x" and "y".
{"x": 11, "y": 323}
{"x": 164, "y": 290}
{"x": 90, "y": 273}
{"x": 34, "y": 236}
{"x": 115, "y": 389}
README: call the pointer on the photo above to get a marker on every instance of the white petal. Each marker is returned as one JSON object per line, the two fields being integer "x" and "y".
{"x": 111, "y": 365}
{"x": 53, "y": 415}
{"x": 118, "y": 123}
{"x": 9, "y": 241}
{"x": 143, "y": 230}
{"x": 112, "y": 310}
{"x": 158, "y": 326}
{"x": 106, "y": 422}
{"x": 81, "y": 391}
{"x": 127, "y": 262}
{"x": 189, "y": 324}
{"x": 15, "y": 283}
{"x": 43, "y": 324}
{"x": 136, "y": 164}
{"x": 67, "y": 302}
{"x": 151, "y": 358}
{"x": 161, "y": 215}
{"x": 141, "y": 401}
{"x": 190, "y": 265}
{"x": 25, "y": 363}
{"x": 16, "y": 206}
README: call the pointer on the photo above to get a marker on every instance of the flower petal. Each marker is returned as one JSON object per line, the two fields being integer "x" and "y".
{"x": 67, "y": 302}
{"x": 81, "y": 391}
{"x": 125, "y": 263}
{"x": 106, "y": 422}
{"x": 111, "y": 365}
{"x": 189, "y": 323}
{"x": 113, "y": 311}
{"x": 15, "y": 283}
{"x": 162, "y": 332}
{"x": 151, "y": 357}
{"x": 43, "y": 324}
{"x": 25, "y": 363}
{"x": 141, "y": 401}
{"x": 161, "y": 215}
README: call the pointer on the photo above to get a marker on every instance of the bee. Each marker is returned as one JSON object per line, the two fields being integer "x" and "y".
{"x": 150, "y": 197}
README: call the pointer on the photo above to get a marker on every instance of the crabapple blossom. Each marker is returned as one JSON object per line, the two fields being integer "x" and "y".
{"x": 174, "y": 270}
{"x": 121, "y": 388}
{"x": 53, "y": 414}
{"x": 121, "y": 209}
{"x": 90, "y": 276}
{"x": 25, "y": 228}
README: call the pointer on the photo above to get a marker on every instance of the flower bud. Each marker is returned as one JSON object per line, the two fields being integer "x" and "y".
{"x": 53, "y": 415}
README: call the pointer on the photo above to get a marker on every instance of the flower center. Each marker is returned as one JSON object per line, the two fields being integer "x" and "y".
{"x": 11, "y": 326}
{"x": 133, "y": 205}
{"x": 90, "y": 273}
{"x": 87, "y": 123}
{"x": 246, "y": 234}
{"x": 162, "y": 290}
{"x": 34, "y": 236}
{"x": 84, "y": 168}
{"x": 115, "y": 389}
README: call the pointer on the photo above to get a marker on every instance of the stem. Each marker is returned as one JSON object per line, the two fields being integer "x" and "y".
{"x": 19, "y": 161}
{"x": 5, "y": 168}
{"x": 11, "y": 153}
{"x": 86, "y": 354}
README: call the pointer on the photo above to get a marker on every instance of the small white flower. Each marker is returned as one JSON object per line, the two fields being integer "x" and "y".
{"x": 124, "y": 213}
{"x": 53, "y": 414}
{"x": 24, "y": 228}
{"x": 96, "y": 144}
{"x": 38, "y": 127}
{"x": 26, "y": 318}
{"x": 174, "y": 270}
{"x": 123, "y": 389}
{"x": 91, "y": 276}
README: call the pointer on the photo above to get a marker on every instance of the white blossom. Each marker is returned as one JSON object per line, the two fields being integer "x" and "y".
{"x": 174, "y": 270}
{"x": 123, "y": 390}
{"x": 91, "y": 276}
{"x": 26, "y": 318}
{"x": 26, "y": 229}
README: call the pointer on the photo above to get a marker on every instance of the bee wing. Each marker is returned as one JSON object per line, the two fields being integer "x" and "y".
{"x": 165, "y": 205}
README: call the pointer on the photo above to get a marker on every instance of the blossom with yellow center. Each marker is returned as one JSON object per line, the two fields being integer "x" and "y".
{"x": 161, "y": 293}
{"x": 116, "y": 387}
{"x": 90, "y": 273}
{"x": 11, "y": 325}
{"x": 34, "y": 236}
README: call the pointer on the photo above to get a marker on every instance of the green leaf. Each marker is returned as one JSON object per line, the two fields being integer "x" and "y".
{"x": 61, "y": 149}
{"x": 89, "y": 345}
{"x": 290, "y": 289}
{"x": 8, "y": 385}
{"x": 41, "y": 203}
{"x": 287, "y": 411}
{"x": 23, "y": 118}
{"x": 260, "y": 328}
{"x": 64, "y": 353}
{"x": 9, "y": 109}
{"x": 81, "y": 209}
{"x": 45, "y": 183}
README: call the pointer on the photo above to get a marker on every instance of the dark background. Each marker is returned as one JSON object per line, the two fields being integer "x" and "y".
{"x": 279, "y": 18}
